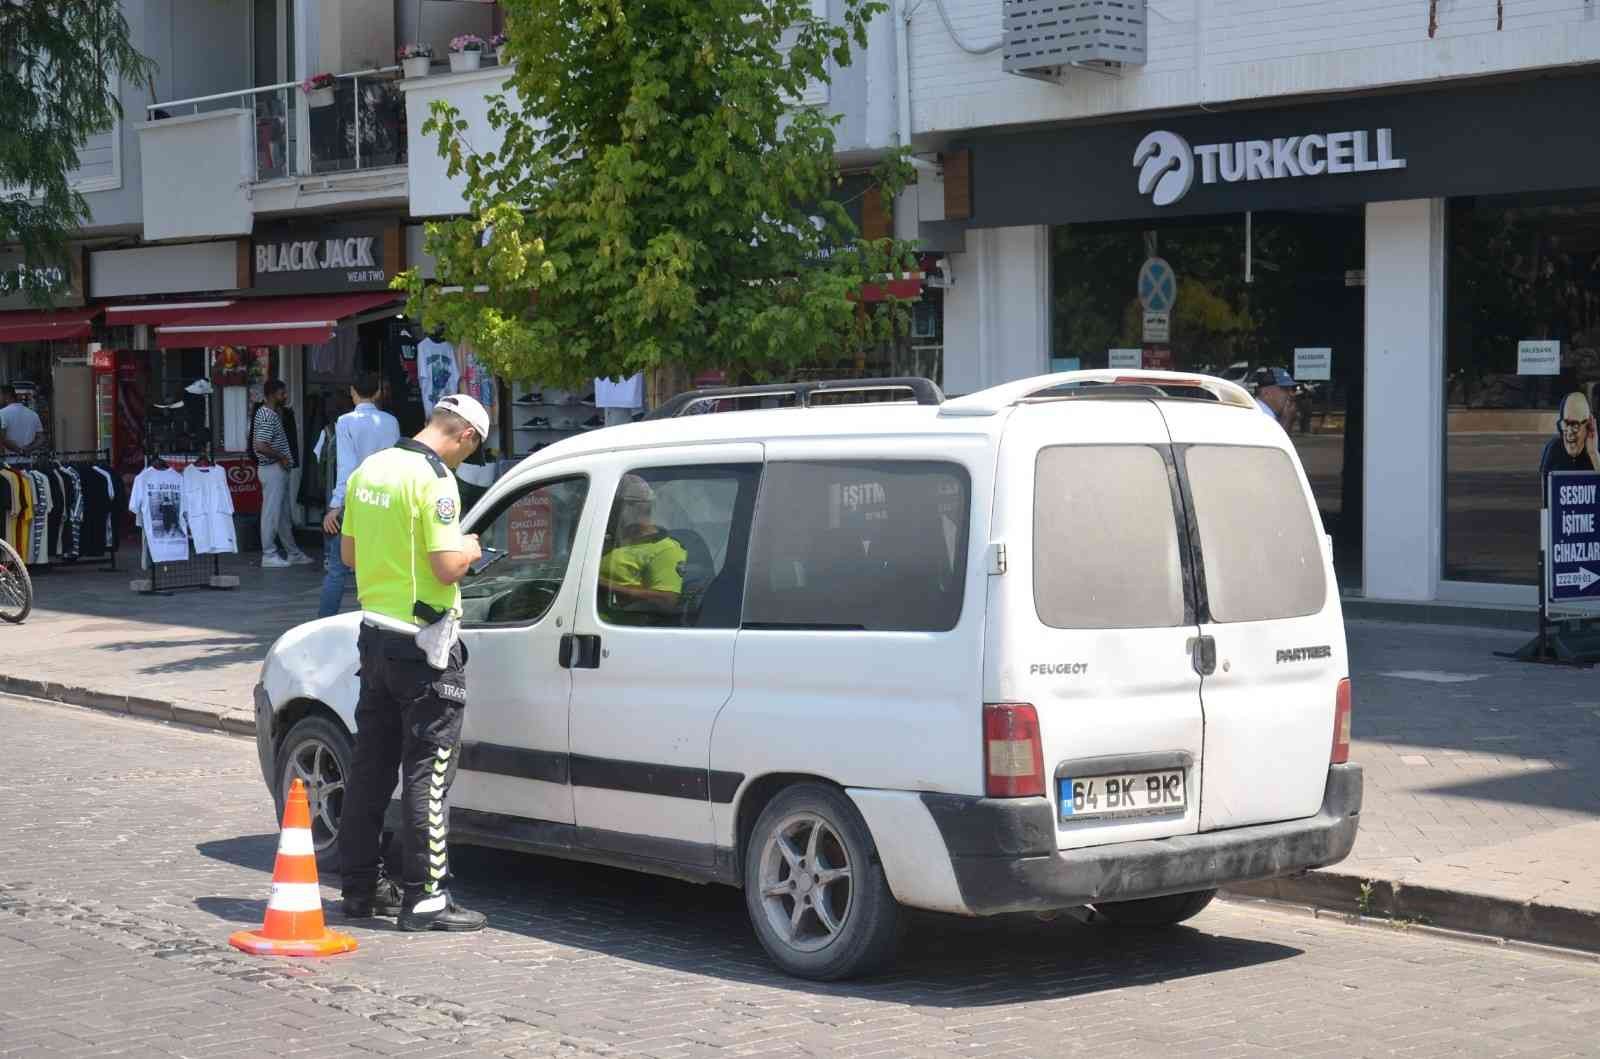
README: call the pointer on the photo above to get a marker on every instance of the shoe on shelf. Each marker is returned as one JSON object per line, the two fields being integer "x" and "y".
{"x": 440, "y": 912}
{"x": 588, "y": 399}
{"x": 301, "y": 559}
{"x": 537, "y": 423}
{"x": 386, "y": 900}
{"x": 535, "y": 397}
{"x": 273, "y": 562}
{"x": 596, "y": 420}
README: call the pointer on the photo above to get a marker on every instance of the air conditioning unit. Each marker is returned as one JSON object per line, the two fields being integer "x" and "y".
{"x": 1045, "y": 37}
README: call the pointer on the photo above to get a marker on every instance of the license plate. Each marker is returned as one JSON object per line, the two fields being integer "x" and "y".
{"x": 1131, "y": 794}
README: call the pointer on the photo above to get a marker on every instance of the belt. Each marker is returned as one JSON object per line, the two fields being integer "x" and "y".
{"x": 384, "y": 623}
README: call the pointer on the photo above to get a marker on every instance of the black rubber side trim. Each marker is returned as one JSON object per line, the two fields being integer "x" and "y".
{"x": 579, "y": 770}
{"x": 521, "y": 762}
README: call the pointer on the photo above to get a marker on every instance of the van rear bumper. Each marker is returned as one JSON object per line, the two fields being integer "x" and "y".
{"x": 1004, "y": 856}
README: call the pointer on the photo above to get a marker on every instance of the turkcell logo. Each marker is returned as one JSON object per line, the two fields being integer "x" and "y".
{"x": 1168, "y": 164}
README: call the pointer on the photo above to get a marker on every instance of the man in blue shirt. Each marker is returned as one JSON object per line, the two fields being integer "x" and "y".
{"x": 358, "y": 434}
{"x": 1275, "y": 395}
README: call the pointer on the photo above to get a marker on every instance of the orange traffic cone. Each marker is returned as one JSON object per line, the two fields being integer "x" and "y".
{"x": 294, "y": 925}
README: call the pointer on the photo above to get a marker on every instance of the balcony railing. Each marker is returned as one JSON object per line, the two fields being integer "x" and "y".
{"x": 362, "y": 126}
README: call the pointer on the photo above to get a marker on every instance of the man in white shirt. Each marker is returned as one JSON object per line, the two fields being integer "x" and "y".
{"x": 19, "y": 425}
{"x": 358, "y": 434}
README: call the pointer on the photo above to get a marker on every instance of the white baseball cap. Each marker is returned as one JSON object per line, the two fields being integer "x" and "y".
{"x": 467, "y": 408}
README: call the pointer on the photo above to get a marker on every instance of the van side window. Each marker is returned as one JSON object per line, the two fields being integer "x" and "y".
{"x": 858, "y": 545}
{"x": 1105, "y": 539}
{"x": 675, "y": 546}
{"x": 531, "y": 534}
{"x": 1258, "y": 542}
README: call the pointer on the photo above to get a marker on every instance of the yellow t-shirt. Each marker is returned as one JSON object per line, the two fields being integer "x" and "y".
{"x": 398, "y": 508}
{"x": 653, "y": 563}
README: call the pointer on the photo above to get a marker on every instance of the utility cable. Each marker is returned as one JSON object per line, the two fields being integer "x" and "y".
{"x": 970, "y": 49}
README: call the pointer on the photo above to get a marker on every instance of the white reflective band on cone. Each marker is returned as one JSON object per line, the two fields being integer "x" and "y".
{"x": 296, "y": 842}
{"x": 295, "y": 897}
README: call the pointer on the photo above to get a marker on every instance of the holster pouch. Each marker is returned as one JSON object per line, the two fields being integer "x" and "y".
{"x": 436, "y": 638}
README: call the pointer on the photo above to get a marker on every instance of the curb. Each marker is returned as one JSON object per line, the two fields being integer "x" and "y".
{"x": 130, "y": 705}
{"x": 1427, "y": 906}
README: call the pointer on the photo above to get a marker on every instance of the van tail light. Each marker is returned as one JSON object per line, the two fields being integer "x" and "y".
{"x": 1341, "y": 724}
{"x": 1013, "y": 756}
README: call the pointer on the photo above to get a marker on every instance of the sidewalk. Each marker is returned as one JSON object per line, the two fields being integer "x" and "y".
{"x": 1482, "y": 807}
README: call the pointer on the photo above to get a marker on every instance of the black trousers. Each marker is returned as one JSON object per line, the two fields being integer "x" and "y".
{"x": 408, "y": 719}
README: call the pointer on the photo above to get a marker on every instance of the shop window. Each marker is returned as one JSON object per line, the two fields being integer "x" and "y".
{"x": 1520, "y": 271}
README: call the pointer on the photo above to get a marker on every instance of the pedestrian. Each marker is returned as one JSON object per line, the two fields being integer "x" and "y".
{"x": 19, "y": 425}
{"x": 274, "y": 460}
{"x": 357, "y": 434}
{"x": 1275, "y": 395}
{"x": 401, "y": 533}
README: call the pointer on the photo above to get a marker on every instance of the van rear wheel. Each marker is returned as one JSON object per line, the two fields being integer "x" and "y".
{"x": 1156, "y": 911}
{"x": 814, "y": 888}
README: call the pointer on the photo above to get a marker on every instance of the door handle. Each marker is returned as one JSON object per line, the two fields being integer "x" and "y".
{"x": 579, "y": 651}
{"x": 1203, "y": 655}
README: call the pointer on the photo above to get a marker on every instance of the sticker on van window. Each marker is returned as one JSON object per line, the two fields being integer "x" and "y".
{"x": 1051, "y": 669}
{"x": 1304, "y": 654}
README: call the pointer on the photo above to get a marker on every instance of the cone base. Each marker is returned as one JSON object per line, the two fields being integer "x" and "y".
{"x": 331, "y": 943}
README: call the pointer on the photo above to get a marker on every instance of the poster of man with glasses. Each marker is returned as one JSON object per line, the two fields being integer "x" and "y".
{"x": 1576, "y": 446}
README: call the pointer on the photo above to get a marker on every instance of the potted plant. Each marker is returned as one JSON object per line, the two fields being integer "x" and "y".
{"x": 416, "y": 59}
{"x": 318, "y": 89}
{"x": 466, "y": 52}
{"x": 496, "y": 43}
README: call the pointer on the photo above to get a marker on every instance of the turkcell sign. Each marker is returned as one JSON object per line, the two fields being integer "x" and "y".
{"x": 1168, "y": 164}
{"x": 1572, "y": 558}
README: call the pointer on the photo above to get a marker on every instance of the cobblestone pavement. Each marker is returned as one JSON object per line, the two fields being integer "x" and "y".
{"x": 129, "y": 850}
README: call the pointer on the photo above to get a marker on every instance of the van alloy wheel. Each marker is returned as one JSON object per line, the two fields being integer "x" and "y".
{"x": 315, "y": 764}
{"x": 805, "y": 882}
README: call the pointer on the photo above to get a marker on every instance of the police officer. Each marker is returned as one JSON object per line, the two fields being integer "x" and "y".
{"x": 402, "y": 536}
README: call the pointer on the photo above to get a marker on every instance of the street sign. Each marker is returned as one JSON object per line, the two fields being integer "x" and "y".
{"x": 1572, "y": 544}
{"x": 1124, "y": 358}
{"x": 1539, "y": 357}
{"x": 1157, "y": 327}
{"x": 1158, "y": 286}
{"x": 1313, "y": 363}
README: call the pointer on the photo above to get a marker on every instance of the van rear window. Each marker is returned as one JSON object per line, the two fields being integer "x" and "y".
{"x": 1105, "y": 539}
{"x": 1258, "y": 542}
{"x": 859, "y": 545}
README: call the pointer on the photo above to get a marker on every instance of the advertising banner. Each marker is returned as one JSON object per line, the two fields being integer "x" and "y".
{"x": 1572, "y": 534}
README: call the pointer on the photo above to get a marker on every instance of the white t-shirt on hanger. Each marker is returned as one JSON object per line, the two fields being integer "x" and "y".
{"x": 208, "y": 509}
{"x": 157, "y": 504}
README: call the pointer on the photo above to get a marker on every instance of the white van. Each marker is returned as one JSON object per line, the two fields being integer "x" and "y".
{"x": 1073, "y": 640}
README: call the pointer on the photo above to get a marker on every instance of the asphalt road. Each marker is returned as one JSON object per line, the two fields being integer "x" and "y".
{"x": 130, "y": 850}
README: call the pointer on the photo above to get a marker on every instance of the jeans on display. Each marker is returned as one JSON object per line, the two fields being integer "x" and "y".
{"x": 277, "y": 525}
{"x": 335, "y": 575}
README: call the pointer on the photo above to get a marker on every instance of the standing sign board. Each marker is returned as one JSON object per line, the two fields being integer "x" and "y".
{"x": 1572, "y": 545}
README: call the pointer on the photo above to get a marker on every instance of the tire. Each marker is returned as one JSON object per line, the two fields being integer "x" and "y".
{"x": 16, "y": 587}
{"x": 1156, "y": 911}
{"x": 317, "y": 745}
{"x": 857, "y": 929}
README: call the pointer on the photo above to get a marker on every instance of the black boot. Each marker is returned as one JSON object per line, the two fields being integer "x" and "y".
{"x": 442, "y": 913}
{"x": 385, "y": 900}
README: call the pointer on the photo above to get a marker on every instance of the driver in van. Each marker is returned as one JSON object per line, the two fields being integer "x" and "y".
{"x": 642, "y": 567}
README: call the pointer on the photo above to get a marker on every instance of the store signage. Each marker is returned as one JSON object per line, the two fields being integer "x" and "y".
{"x": 1157, "y": 327}
{"x": 327, "y": 258}
{"x": 1168, "y": 165}
{"x": 529, "y": 525}
{"x": 20, "y": 282}
{"x": 1572, "y": 535}
{"x": 1539, "y": 357}
{"x": 1313, "y": 363}
{"x": 1124, "y": 358}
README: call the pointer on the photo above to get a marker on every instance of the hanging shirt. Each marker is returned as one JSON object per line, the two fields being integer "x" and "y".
{"x": 438, "y": 372}
{"x": 72, "y": 538}
{"x": 477, "y": 381}
{"x": 39, "y": 533}
{"x": 208, "y": 510}
{"x": 11, "y": 510}
{"x": 157, "y": 502}
{"x": 358, "y": 434}
{"x": 619, "y": 393}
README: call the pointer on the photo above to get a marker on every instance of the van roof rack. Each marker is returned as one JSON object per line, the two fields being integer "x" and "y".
{"x": 802, "y": 394}
{"x": 1100, "y": 383}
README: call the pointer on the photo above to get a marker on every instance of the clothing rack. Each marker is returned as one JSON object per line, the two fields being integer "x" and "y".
{"x": 95, "y": 456}
{"x": 196, "y": 571}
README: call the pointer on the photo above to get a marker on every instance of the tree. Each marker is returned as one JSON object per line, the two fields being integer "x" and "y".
{"x": 658, "y": 197}
{"x": 60, "y": 63}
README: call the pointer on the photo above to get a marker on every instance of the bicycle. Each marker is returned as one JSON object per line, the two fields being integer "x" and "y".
{"x": 16, "y": 587}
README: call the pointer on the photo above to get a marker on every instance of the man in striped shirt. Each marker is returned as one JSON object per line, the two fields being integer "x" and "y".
{"x": 273, "y": 464}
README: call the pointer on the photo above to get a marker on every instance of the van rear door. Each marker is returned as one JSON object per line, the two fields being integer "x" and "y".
{"x": 1093, "y": 620}
{"x": 1270, "y": 619}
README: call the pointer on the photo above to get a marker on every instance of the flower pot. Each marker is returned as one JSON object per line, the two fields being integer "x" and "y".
{"x": 417, "y": 67}
{"x": 319, "y": 97}
{"x": 462, "y": 61}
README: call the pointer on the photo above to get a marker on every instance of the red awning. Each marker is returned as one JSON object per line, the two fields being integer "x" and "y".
{"x": 906, "y": 287}
{"x": 309, "y": 320}
{"x": 158, "y": 313}
{"x": 44, "y": 325}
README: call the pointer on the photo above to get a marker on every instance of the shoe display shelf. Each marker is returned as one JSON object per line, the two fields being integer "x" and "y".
{"x": 543, "y": 415}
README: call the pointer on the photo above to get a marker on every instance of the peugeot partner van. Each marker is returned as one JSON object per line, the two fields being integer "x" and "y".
{"x": 1073, "y": 640}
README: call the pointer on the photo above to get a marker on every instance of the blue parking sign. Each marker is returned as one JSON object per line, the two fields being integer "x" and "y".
{"x": 1572, "y": 556}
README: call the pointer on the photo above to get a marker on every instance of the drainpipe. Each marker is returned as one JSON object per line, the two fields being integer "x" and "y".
{"x": 902, "y": 47}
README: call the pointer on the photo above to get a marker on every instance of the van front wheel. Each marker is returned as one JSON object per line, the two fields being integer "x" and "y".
{"x": 815, "y": 891}
{"x": 1156, "y": 911}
